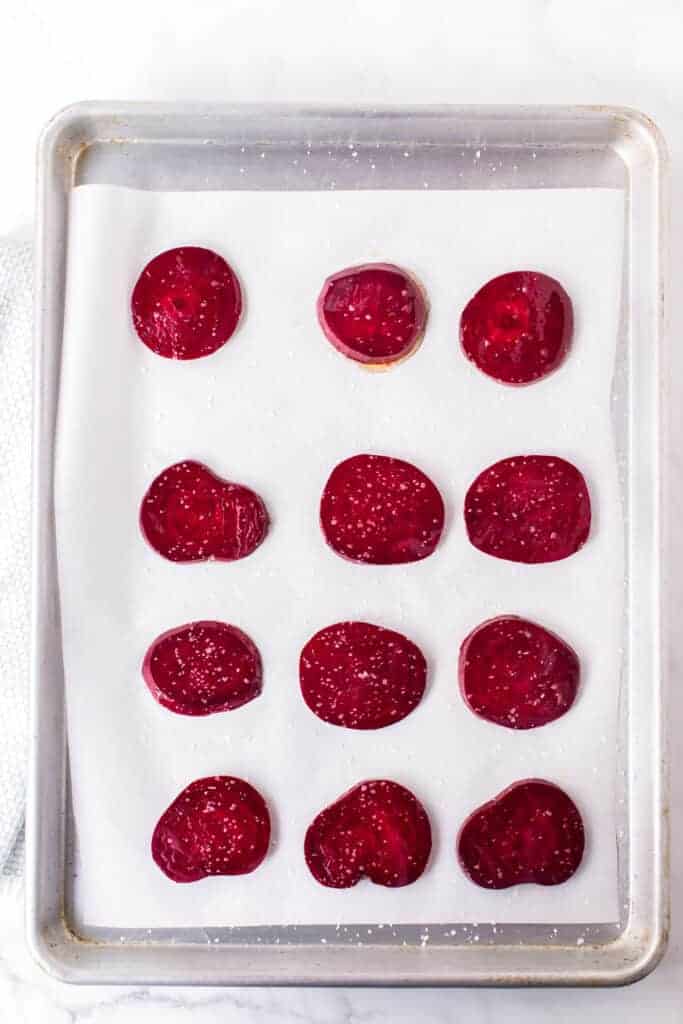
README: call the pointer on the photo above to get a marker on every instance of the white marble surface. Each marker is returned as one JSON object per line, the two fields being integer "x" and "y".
{"x": 520, "y": 51}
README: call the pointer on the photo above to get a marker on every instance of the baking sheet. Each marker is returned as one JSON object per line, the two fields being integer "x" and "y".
{"x": 276, "y": 409}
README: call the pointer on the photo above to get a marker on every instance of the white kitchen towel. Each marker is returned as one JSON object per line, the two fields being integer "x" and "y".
{"x": 15, "y": 444}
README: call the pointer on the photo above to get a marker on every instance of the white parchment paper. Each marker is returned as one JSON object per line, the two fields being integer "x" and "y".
{"x": 276, "y": 409}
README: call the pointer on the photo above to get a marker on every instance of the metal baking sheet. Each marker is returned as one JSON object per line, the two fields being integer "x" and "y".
{"x": 197, "y": 147}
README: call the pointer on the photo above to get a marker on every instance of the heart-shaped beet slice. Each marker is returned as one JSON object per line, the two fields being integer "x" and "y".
{"x": 531, "y": 832}
{"x": 217, "y": 826}
{"x": 381, "y": 510}
{"x": 186, "y": 303}
{"x": 374, "y": 313}
{"x": 361, "y": 676}
{"x": 518, "y": 327}
{"x": 190, "y": 515}
{"x": 516, "y": 673}
{"x": 529, "y": 508}
{"x": 378, "y": 830}
{"x": 202, "y": 668}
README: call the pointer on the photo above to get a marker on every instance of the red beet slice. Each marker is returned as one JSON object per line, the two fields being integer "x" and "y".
{"x": 518, "y": 327}
{"x": 530, "y": 508}
{"x": 378, "y": 830}
{"x": 531, "y": 832}
{"x": 361, "y": 676}
{"x": 186, "y": 303}
{"x": 190, "y": 515}
{"x": 518, "y": 674}
{"x": 217, "y": 826}
{"x": 381, "y": 510}
{"x": 374, "y": 313}
{"x": 202, "y": 668}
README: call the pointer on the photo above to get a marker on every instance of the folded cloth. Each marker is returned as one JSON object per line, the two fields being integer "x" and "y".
{"x": 15, "y": 475}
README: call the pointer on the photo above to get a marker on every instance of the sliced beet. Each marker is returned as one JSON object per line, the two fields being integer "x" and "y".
{"x": 217, "y": 826}
{"x": 518, "y": 327}
{"x": 202, "y": 668}
{"x": 531, "y": 832}
{"x": 530, "y": 508}
{"x": 518, "y": 674}
{"x": 378, "y": 830}
{"x": 361, "y": 676}
{"x": 373, "y": 313}
{"x": 186, "y": 303}
{"x": 190, "y": 515}
{"x": 381, "y": 510}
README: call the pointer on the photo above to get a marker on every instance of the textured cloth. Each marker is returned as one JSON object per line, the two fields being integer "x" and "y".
{"x": 15, "y": 443}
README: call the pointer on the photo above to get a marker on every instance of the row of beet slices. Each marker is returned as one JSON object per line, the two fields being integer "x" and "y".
{"x": 532, "y": 832}
{"x": 186, "y": 304}
{"x": 358, "y": 675}
{"x": 378, "y": 510}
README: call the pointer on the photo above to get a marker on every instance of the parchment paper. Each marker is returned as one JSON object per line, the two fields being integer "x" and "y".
{"x": 276, "y": 409}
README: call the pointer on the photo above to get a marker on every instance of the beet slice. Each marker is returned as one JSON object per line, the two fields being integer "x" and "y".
{"x": 381, "y": 510}
{"x": 518, "y": 674}
{"x": 202, "y": 668}
{"x": 529, "y": 508}
{"x": 374, "y": 313}
{"x": 186, "y": 303}
{"x": 190, "y": 515}
{"x": 378, "y": 830}
{"x": 219, "y": 825}
{"x": 361, "y": 676}
{"x": 518, "y": 327}
{"x": 531, "y": 832}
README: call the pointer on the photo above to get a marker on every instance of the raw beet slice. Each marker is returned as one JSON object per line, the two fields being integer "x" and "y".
{"x": 190, "y": 515}
{"x": 186, "y": 303}
{"x": 518, "y": 674}
{"x": 361, "y": 676}
{"x": 217, "y": 826}
{"x": 531, "y": 832}
{"x": 381, "y": 510}
{"x": 202, "y": 668}
{"x": 378, "y": 830}
{"x": 530, "y": 508}
{"x": 374, "y": 313}
{"x": 518, "y": 327}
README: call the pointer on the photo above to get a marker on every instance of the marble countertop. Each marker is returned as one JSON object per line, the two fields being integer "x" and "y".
{"x": 525, "y": 51}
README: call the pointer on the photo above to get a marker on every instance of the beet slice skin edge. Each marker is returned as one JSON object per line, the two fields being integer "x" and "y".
{"x": 361, "y": 676}
{"x": 219, "y": 825}
{"x": 190, "y": 515}
{"x": 202, "y": 668}
{"x": 529, "y": 508}
{"x": 187, "y": 303}
{"x": 517, "y": 674}
{"x": 377, "y": 830}
{"x": 518, "y": 327}
{"x": 531, "y": 832}
{"x": 381, "y": 510}
{"x": 374, "y": 313}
